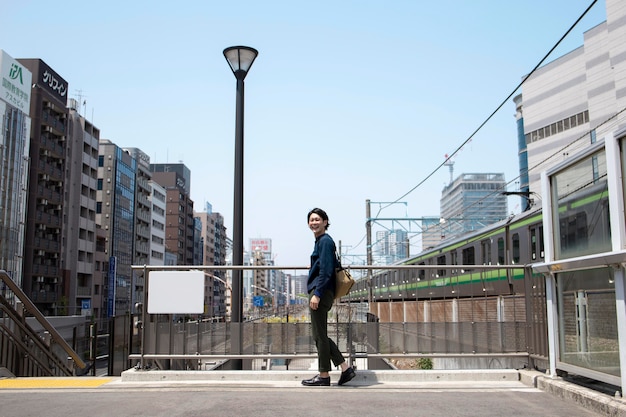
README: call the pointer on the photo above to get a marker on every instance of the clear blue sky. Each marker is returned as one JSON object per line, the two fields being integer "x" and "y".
{"x": 347, "y": 101}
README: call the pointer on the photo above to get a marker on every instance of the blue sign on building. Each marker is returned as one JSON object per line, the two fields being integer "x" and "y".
{"x": 111, "y": 292}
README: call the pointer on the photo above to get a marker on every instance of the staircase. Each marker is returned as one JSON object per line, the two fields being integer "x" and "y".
{"x": 23, "y": 351}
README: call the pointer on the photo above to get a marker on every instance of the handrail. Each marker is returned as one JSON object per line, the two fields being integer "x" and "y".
{"x": 32, "y": 309}
{"x": 405, "y": 345}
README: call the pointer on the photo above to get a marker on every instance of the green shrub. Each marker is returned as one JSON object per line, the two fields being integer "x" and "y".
{"x": 424, "y": 363}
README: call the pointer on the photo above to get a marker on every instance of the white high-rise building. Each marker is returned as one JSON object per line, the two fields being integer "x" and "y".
{"x": 575, "y": 99}
{"x": 157, "y": 228}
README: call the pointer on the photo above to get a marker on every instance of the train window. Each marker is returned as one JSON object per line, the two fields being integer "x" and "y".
{"x": 468, "y": 256}
{"x": 441, "y": 260}
{"x": 485, "y": 247}
{"x": 454, "y": 259}
{"x": 421, "y": 273}
{"x": 536, "y": 243}
{"x": 501, "y": 260}
{"x": 515, "y": 247}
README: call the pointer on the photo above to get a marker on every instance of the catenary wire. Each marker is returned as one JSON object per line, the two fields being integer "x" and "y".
{"x": 493, "y": 113}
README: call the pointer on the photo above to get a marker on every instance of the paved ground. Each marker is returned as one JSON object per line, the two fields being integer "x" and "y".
{"x": 264, "y": 393}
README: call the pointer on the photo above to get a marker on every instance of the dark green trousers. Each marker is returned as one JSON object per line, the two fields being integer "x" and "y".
{"x": 327, "y": 350}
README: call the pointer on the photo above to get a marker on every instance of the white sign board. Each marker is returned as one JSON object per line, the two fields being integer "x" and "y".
{"x": 16, "y": 83}
{"x": 176, "y": 292}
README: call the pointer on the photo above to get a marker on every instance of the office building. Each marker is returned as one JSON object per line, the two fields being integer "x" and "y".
{"x": 472, "y": 201}
{"x": 14, "y": 149}
{"x": 179, "y": 223}
{"x": 115, "y": 213}
{"x": 391, "y": 246}
{"x": 143, "y": 220}
{"x": 213, "y": 243}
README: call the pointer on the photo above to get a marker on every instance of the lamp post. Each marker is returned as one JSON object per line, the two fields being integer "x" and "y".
{"x": 229, "y": 289}
{"x": 240, "y": 59}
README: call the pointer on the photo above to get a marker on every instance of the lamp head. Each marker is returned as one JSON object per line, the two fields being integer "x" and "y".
{"x": 240, "y": 59}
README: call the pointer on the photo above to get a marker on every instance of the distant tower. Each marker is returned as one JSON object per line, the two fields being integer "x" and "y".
{"x": 450, "y": 164}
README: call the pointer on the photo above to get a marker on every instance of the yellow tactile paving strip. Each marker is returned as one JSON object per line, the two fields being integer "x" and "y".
{"x": 17, "y": 383}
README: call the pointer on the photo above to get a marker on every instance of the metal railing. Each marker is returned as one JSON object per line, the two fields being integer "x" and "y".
{"x": 22, "y": 349}
{"x": 461, "y": 329}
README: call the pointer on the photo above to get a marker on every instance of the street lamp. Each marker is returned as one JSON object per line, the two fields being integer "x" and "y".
{"x": 227, "y": 286}
{"x": 240, "y": 59}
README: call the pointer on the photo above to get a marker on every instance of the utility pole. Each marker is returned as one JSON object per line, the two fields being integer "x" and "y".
{"x": 368, "y": 228}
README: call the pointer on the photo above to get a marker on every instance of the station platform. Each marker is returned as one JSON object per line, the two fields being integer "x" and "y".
{"x": 280, "y": 393}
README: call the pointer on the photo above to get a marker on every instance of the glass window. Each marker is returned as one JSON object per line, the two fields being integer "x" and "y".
{"x": 441, "y": 260}
{"x": 515, "y": 247}
{"x": 588, "y": 320}
{"x": 581, "y": 210}
{"x": 485, "y": 247}
{"x": 468, "y": 256}
{"x": 501, "y": 260}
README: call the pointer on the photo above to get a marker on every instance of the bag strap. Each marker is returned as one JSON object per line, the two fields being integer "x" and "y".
{"x": 337, "y": 261}
{"x": 338, "y": 267}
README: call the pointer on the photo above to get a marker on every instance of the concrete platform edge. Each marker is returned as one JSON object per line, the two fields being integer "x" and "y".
{"x": 363, "y": 376}
{"x": 597, "y": 402}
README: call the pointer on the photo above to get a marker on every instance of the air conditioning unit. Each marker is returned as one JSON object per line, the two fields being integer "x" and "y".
{"x": 45, "y": 177}
{"x": 41, "y": 253}
{"x": 39, "y": 279}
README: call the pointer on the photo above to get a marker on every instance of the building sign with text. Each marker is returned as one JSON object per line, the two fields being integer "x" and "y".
{"x": 16, "y": 83}
{"x": 261, "y": 245}
{"x": 52, "y": 82}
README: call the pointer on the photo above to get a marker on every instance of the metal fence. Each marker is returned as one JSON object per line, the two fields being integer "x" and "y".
{"x": 484, "y": 331}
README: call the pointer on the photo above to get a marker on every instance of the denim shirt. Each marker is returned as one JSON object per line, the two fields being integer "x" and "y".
{"x": 323, "y": 263}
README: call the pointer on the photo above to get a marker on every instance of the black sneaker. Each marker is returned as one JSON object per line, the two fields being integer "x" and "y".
{"x": 317, "y": 381}
{"x": 346, "y": 376}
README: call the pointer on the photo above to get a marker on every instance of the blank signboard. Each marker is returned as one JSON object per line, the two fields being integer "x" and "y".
{"x": 176, "y": 292}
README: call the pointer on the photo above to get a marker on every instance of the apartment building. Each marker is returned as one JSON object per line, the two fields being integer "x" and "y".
{"x": 79, "y": 218}
{"x": 42, "y": 277}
